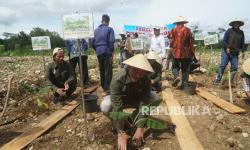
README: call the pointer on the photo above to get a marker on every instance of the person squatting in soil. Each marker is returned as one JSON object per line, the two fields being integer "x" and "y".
{"x": 233, "y": 44}
{"x": 61, "y": 76}
{"x": 71, "y": 46}
{"x": 130, "y": 88}
{"x": 103, "y": 43}
{"x": 181, "y": 42}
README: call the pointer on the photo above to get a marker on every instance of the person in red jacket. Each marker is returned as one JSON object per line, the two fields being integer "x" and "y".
{"x": 181, "y": 42}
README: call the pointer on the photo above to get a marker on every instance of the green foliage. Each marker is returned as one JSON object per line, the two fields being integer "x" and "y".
{"x": 2, "y": 48}
{"x": 153, "y": 124}
{"x": 45, "y": 89}
{"x": 27, "y": 88}
{"x": 22, "y": 40}
{"x": 41, "y": 104}
{"x": 118, "y": 115}
{"x": 148, "y": 122}
{"x": 212, "y": 69}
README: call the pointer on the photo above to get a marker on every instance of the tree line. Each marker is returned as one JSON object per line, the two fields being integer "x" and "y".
{"x": 22, "y": 41}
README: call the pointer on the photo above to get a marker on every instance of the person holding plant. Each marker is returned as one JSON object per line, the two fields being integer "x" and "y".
{"x": 61, "y": 76}
{"x": 233, "y": 44}
{"x": 130, "y": 88}
{"x": 246, "y": 79}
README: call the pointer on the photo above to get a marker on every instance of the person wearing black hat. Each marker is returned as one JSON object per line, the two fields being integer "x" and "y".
{"x": 233, "y": 44}
{"x": 103, "y": 43}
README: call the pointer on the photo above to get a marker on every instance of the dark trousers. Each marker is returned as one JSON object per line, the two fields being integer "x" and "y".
{"x": 75, "y": 61}
{"x": 106, "y": 72}
{"x": 124, "y": 55}
{"x": 72, "y": 86}
{"x": 169, "y": 59}
{"x": 225, "y": 59}
{"x": 182, "y": 64}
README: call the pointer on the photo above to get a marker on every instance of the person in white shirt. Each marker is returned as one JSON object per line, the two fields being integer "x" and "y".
{"x": 158, "y": 43}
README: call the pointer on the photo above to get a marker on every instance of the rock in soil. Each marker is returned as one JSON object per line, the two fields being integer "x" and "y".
{"x": 212, "y": 127}
{"x": 245, "y": 135}
{"x": 237, "y": 129}
{"x": 231, "y": 142}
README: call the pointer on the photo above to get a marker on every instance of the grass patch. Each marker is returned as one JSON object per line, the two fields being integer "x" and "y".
{"x": 30, "y": 52}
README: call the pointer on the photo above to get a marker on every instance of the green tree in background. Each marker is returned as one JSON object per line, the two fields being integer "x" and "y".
{"x": 22, "y": 40}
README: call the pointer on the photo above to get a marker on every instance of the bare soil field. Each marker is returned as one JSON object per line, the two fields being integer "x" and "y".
{"x": 216, "y": 130}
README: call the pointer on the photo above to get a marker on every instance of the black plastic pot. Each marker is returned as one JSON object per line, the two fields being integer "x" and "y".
{"x": 91, "y": 103}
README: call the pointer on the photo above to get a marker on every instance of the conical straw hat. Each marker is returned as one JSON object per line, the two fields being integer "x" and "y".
{"x": 180, "y": 19}
{"x": 236, "y": 21}
{"x": 139, "y": 61}
{"x": 152, "y": 55}
{"x": 246, "y": 66}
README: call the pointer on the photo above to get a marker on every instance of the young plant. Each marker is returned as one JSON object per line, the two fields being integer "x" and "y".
{"x": 138, "y": 119}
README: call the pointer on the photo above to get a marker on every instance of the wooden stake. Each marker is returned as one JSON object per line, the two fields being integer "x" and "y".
{"x": 7, "y": 97}
{"x": 230, "y": 87}
{"x": 81, "y": 83}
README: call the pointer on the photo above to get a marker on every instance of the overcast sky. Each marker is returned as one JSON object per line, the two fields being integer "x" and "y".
{"x": 17, "y": 15}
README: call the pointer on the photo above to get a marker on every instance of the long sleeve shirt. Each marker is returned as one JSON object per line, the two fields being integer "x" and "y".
{"x": 157, "y": 75}
{"x": 158, "y": 45}
{"x": 59, "y": 74}
{"x": 181, "y": 42}
{"x": 104, "y": 39}
{"x": 234, "y": 39}
{"x": 124, "y": 92}
{"x": 71, "y": 46}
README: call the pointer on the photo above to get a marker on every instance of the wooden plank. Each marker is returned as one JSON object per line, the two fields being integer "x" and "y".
{"x": 90, "y": 89}
{"x": 30, "y": 135}
{"x": 185, "y": 134}
{"x": 220, "y": 102}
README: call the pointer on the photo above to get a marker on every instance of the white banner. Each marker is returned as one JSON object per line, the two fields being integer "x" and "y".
{"x": 78, "y": 26}
{"x": 137, "y": 44}
{"x": 41, "y": 43}
{"x": 211, "y": 39}
{"x": 199, "y": 37}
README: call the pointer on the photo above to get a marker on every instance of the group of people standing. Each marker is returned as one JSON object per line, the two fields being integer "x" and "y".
{"x": 139, "y": 78}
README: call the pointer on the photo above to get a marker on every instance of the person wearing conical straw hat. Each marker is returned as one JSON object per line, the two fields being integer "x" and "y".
{"x": 130, "y": 88}
{"x": 155, "y": 77}
{"x": 246, "y": 78}
{"x": 233, "y": 44}
{"x": 181, "y": 42}
{"x": 61, "y": 76}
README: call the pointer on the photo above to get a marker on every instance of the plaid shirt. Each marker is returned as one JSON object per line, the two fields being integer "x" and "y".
{"x": 246, "y": 84}
{"x": 181, "y": 41}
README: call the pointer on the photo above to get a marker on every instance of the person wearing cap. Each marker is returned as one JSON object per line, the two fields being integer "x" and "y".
{"x": 158, "y": 43}
{"x": 61, "y": 76}
{"x": 71, "y": 45}
{"x": 155, "y": 77}
{"x": 130, "y": 88}
{"x": 181, "y": 42}
{"x": 246, "y": 78}
{"x": 103, "y": 43}
{"x": 233, "y": 44}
